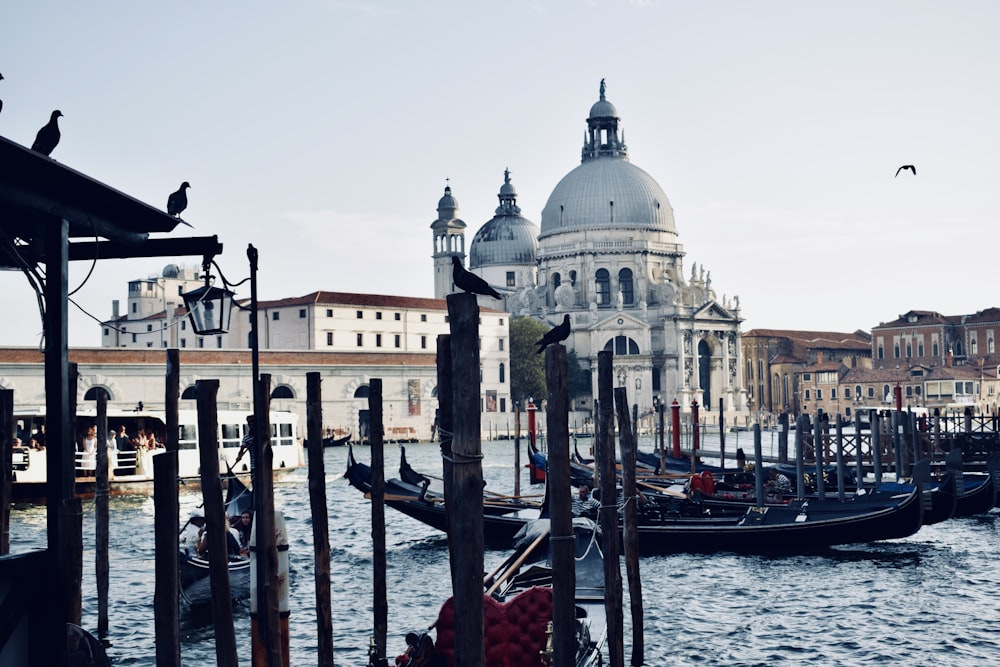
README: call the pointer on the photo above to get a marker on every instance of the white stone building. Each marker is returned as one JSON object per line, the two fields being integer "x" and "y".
{"x": 607, "y": 253}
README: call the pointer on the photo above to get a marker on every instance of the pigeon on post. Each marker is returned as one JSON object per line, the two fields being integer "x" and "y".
{"x": 905, "y": 167}
{"x": 48, "y": 137}
{"x": 178, "y": 201}
{"x": 556, "y": 334}
{"x": 470, "y": 282}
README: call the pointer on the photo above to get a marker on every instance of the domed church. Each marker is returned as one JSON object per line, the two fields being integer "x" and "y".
{"x": 607, "y": 253}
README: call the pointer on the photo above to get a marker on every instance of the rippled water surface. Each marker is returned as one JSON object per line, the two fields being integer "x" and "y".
{"x": 929, "y": 599}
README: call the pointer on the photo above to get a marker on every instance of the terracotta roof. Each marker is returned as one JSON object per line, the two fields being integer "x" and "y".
{"x": 816, "y": 339}
{"x": 356, "y": 299}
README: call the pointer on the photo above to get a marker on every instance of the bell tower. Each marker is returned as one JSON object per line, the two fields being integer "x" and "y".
{"x": 449, "y": 241}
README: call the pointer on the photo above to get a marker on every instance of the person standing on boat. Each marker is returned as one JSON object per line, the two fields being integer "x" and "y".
{"x": 243, "y": 527}
{"x": 247, "y": 445}
{"x": 125, "y": 445}
{"x": 89, "y": 446}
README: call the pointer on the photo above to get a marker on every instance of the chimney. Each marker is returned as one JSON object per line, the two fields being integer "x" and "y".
{"x": 819, "y": 357}
{"x": 114, "y": 309}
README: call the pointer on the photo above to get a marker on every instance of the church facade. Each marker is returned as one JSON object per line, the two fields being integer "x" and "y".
{"x": 607, "y": 253}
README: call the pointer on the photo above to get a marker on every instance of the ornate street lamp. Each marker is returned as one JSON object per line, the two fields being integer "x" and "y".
{"x": 209, "y": 308}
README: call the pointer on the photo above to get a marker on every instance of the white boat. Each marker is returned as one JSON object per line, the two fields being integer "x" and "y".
{"x": 132, "y": 471}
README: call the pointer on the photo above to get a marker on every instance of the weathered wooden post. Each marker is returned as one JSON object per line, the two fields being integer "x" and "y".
{"x": 165, "y": 594}
{"x": 937, "y": 430}
{"x": 800, "y": 447}
{"x": 167, "y": 510}
{"x": 6, "y": 462}
{"x": 630, "y": 541}
{"x": 897, "y": 445}
{"x": 216, "y": 524}
{"x": 268, "y": 629}
{"x": 783, "y": 437}
{"x": 446, "y": 424}
{"x": 517, "y": 448}
{"x": 876, "y": 422}
{"x": 722, "y": 434}
{"x": 558, "y": 485}
{"x": 818, "y": 452}
{"x": 604, "y": 459}
{"x": 380, "y": 605}
{"x": 320, "y": 519}
{"x": 841, "y": 470}
{"x": 695, "y": 437}
{"x": 663, "y": 455}
{"x": 858, "y": 453}
{"x": 758, "y": 466}
{"x": 466, "y": 538}
{"x": 675, "y": 429}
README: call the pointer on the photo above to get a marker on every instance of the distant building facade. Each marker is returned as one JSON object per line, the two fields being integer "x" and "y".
{"x": 607, "y": 253}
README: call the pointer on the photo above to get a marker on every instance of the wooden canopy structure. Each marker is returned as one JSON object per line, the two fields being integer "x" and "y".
{"x": 52, "y": 214}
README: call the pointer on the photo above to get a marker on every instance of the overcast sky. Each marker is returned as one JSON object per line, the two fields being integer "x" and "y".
{"x": 323, "y": 132}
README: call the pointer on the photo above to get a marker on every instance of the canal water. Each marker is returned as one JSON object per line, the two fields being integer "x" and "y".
{"x": 928, "y": 599}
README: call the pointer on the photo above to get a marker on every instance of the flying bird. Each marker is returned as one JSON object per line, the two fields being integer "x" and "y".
{"x": 48, "y": 137}
{"x": 906, "y": 166}
{"x": 470, "y": 282}
{"x": 178, "y": 201}
{"x": 556, "y": 334}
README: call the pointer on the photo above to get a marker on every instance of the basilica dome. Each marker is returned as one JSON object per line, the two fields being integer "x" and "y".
{"x": 508, "y": 238}
{"x": 606, "y": 191}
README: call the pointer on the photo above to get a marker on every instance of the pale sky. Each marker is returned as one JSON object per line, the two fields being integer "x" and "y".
{"x": 323, "y": 132}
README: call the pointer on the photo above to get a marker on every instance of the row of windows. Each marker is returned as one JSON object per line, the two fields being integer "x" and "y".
{"x": 934, "y": 390}
{"x": 602, "y": 280}
{"x": 397, "y": 340}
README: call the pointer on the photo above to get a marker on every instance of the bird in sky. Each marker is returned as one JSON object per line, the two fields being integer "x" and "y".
{"x": 178, "y": 201}
{"x": 906, "y": 166}
{"x": 556, "y": 334}
{"x": 470, "y": 282}
{"x": 48, "y": 137}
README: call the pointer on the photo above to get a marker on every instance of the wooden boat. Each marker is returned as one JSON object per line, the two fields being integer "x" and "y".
{"x": 337, "y": 442}
{"x": 504, "y": 518}
{"x": 799, "y": 525}
{"x": 193, "y": 574}
{"x": 517, "y": 606}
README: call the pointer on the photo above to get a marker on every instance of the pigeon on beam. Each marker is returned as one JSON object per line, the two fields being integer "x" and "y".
{"x": 906, "y": 166}
{"x": 48, "y": 137}
{"x": 178, "y": 201}
{"x": 556, "y": 334}
{"x": 470, "y": 282}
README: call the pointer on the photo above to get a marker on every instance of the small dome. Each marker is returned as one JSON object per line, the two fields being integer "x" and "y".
{"x": 508, "y": 238}
{"x": 447, "y": 201}
{"x": 603, "y": 109}
{"x": 171, "y": 271}
{"x": 504, "y": 240}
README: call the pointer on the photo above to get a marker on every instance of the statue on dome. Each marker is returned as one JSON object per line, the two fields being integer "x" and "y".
{"x": 603, "y": 88}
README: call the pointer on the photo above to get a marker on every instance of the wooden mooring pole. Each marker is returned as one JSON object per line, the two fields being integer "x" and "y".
{"x": 604, "y": 459}
{"x": 165, "y": 593}
{"x": 630, "y": 541}
{"x": 558, "y": 485}
{"x": 466, "y": 537}
{"x": 446, "y": 424}
{"x": 216, "y": 524}
{"x": 517, "y": 449}
{"x": 380, "y": 604}
{"x": 6, "y": 462}
{"x": 102, "y": 526}
{"x": 320, "y": 519}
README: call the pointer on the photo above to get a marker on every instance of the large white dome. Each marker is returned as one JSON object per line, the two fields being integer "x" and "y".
{"x": 607, "y": 192}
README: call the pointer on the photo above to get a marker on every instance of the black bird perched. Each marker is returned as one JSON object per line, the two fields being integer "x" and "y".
{"x": 48, "y": 137}
{"x": 906, "y": 166}
{"x": 470, "y": 282}
{"x": 178, "y": 201}
{"x": 556, "y": 334}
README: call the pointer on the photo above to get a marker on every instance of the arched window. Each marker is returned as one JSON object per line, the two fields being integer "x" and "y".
{"x": 284, "y": 391}
{"x": 556, "y": 281}
{"x": 625, "y": 285}
{"x": 603, "y": 281}
{"x": 622, "y": 345}
{"x": 361, "y": 392}
{"x": 190, "y": 393}
{"x": 503, "y": 373}
{"x": 94, "y": 393}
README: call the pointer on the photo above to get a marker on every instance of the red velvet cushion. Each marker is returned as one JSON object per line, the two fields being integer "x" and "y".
{"x": 514, "y": 632}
